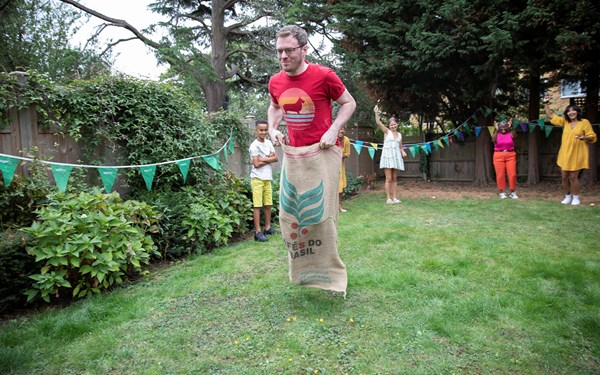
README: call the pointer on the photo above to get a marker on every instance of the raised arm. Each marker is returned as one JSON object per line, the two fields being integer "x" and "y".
{"x": 549, "y": 113}
{"x": 380, "y": 124}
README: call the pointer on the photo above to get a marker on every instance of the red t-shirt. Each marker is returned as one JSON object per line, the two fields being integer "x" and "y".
{"x": 305, "y": 101}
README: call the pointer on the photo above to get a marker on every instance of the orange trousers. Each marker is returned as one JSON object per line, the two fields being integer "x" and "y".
{"x": 505, "y": 163}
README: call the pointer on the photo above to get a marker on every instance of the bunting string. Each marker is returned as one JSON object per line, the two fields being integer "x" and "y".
{"x": 459, "y": 133}
{"x": 108, "y": 173}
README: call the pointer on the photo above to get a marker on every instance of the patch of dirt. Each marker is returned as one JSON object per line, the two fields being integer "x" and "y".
{"x": 546, "y": 190}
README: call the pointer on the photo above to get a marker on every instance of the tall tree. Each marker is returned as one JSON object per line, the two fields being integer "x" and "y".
{"x": 36, "y": 34}
{"x": 208, "y": 42}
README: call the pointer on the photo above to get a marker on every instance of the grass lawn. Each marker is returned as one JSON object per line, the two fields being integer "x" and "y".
{"x": 436, "y": 286}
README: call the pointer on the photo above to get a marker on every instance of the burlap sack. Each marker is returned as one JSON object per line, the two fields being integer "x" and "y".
{"x": 308, "y": 215}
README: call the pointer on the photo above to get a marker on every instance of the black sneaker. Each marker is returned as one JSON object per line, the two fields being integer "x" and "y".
{"x": 269, "y": 231}
{"x": 260, "y": 237}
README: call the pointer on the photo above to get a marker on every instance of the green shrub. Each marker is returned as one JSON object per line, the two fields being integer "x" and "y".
{"x": 221, "y": 212}
{"x": 15, "y": 267}
{"x": 353, "y": 186}
{"x": 87, "y": 242}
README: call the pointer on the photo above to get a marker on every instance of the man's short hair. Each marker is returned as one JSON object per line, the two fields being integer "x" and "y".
{"x": 296, "y": 31}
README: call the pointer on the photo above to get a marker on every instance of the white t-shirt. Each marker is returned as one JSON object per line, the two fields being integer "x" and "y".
{"x": 262, "y": 149}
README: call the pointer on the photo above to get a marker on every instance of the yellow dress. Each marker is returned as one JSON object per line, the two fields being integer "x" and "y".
{"x": 573, "y": 154}
{"x": 345, "y": 154}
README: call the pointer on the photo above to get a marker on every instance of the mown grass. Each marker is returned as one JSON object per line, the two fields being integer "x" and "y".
{"x": 435, "y": 287}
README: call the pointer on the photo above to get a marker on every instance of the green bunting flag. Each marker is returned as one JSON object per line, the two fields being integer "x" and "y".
{"x": 61, "y": 175}
{"x": 437, "y": 146}
{"x": 531, "y": 128}
{"x": 371, "y": 152}
{"x": 446, "y": 140}
{"x": 540, "y": 122}
{"x": 358, "y": 146}
{"x": 184, "y": 167}
{"x": 8, "y": 166}
{"x": 548, "y": 129}
{"x": 515, "y": 123}
{"x": 108, "y": 176}
{"x": 487, "y": 111}
{"x": 424, "y": 148}
{"x": 412, "y": 150}
{"x": 212, "y": 161}
{"x": 148, "y": 172}
{"x": 468, "y": 130}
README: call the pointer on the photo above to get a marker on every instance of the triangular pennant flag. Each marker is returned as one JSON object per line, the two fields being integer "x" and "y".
{"x": 148, "y": 172}
{"x": 515, "y": 123}
{"x": 461, "y": 136}
{"x": 531, "y": 127}
{"x": 212, "y": 161}
{"x": 374, "y": 145}
{"x": 548, "y": 129}
{"x": 468, "y": 129}
{"x": 440, "y": 143}
{"x": 487, "y": 111}
{"x": 424, "y": 148}
{"x": 501, "y": 117}
{"x": 540, "y": 122}
{"x": 428, "y": 145}
{"x": 477, "y": 131}
{"x": 474, "y": 117}
{"x": 524, "y": 127}
{"x": 447, "y": 140}
{"x": 437, "y": 146}
{"x": 108, "y": 176}
{"x": 450, "y": 140}
{"x": 358, "y": 146}
{"x": 412, "y": 151}
{"x": 184, "y": 167}
{"x": 491, "y": 129}
{"x": 61, "y": 175}
{"x": 371, "y": 152}
{"x": 8, "y": 166}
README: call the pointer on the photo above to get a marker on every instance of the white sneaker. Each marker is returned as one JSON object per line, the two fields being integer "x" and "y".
{"x": 396, "y": 200}
{"x": 514, "y": 195}
{"x": 575, "y": 201}
{"x": 567, "y": 199}
{"x": 502, "y": 195}
{"x": 389, "y": 201}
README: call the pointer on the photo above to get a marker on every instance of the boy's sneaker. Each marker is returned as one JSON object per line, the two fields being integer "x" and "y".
{"x": 514, "y": 195}
{"x": 575, "y": 201}
{"x": 260, "y": 237}
{"x": 502, "y": 195}
{"x": 396, "y": 201}
{"x": 389, "y": 201}
{"x": 269, "y": 231}
{"x": 567, "y": 199}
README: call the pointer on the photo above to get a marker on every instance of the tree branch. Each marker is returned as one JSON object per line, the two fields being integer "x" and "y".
{"x": 115, "y": 22}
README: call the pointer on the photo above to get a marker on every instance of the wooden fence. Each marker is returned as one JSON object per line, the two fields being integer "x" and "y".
{"x": 454, "y": 162}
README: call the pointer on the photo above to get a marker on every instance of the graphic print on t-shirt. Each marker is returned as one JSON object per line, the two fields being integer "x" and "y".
{"x": 298, "y": 108}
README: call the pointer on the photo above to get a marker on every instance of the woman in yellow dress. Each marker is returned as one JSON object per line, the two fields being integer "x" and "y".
{"x": 573, "y": 155}
{"x": 345, "y": 144}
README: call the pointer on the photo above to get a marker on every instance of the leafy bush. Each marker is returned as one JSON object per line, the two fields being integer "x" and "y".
{"x": 353, "y": 186}
{"x": 211, "y": 216}
{"x": 25, "y": 194}
{"x": 88, "y": 242}
{"x": 15, "y": 267}
{"x": 222, "y": 211}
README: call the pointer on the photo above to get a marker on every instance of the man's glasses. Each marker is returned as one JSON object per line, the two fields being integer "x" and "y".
{"x": 287, "y": 50}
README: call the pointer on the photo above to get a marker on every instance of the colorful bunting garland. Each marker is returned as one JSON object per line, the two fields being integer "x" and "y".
{"x": 108, "y": 174}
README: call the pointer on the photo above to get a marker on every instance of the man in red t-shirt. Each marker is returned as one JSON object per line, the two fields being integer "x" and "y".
{"x": 302, "y": 93}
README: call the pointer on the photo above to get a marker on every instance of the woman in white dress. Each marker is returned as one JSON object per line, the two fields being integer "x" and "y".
{"x": 391, "y": 155}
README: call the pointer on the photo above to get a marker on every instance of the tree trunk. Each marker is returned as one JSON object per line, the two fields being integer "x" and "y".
{"x": 483, "y": 157}
{"x": 533, "y": 162}
{"x": 591, "y": 113}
